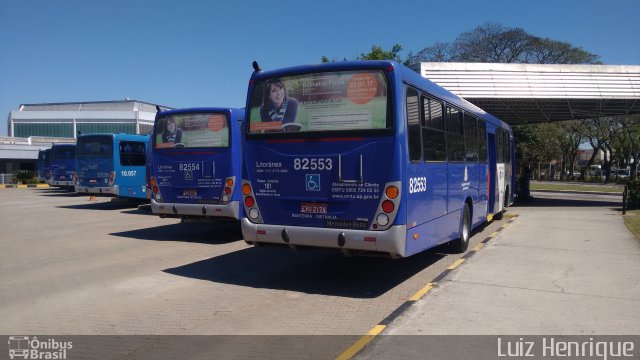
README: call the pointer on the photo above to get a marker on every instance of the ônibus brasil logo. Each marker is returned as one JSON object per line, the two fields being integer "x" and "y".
{"x": 26, "y": 347}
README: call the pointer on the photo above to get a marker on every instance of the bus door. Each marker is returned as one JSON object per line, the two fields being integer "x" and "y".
{"x": 492, "y": 172}
{"x": 456, "y": 160}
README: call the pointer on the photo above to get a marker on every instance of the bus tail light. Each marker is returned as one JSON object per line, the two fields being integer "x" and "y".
{"x": 154, "y": 185}
{"x": 388, "y": 206}
{"x": 250, "y": 205}
{"x": 229, "y": 185}
{"x": 249, "y": 201}
{"x": 112, "y": 178}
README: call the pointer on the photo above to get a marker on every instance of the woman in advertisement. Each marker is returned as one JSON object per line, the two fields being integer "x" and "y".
{"x": 278, "y": 107}
{"x": 171, "y": 133}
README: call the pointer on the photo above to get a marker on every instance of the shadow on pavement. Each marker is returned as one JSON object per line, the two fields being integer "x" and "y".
{"x": 58, "y": 192}
{"x": 198, "y": 233}
{"x": 103, "y": 205}
{"x": 313, "y": 271}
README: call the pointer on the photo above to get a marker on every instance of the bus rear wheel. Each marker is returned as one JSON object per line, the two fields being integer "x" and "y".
{"x": 461, "y": 244}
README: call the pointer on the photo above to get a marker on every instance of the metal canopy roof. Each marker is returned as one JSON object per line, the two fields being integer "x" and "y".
{"x": 533, "y": 93}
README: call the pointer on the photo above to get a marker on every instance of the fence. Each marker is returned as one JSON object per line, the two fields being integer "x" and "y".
{"x": 6, "y": 179}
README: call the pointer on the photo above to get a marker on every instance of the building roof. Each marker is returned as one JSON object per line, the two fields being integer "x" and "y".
{"x": 115, "y": 105}
{"x": 531, "y": 93}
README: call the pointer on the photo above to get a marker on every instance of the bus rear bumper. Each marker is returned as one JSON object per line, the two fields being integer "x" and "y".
{"x": 230, "y": 210}
{"x": 61, "y": 183}
{"x": 390, "y": 241}
{"x": 107, "y": 190}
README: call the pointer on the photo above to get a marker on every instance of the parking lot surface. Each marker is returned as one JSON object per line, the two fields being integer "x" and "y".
{"x": 70, "y": 265}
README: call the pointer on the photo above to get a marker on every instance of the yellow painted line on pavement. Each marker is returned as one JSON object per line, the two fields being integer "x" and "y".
{"x": 361, "y": 343}
{"x": 421, "y": 292}
{"x": 455, "y": 264}
{"x": 504, "y": 225}
{"x": 1, "y": 186}
{"x": 42, "y": 185}
{"x": 478, "y": 247}
{"x": 493, "y": 234}
{"x": 22, "y": 186}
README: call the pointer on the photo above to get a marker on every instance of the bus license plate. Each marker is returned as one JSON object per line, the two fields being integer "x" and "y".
{"x": 189, "y": 192}
{"x": 93, "y": 181}
{"x": 313, "y": 208}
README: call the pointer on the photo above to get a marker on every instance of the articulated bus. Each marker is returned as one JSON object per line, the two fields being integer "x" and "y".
{"x": 369, "y": 156}
{"x": 196, "y": 162}
{"x": 62, "y": 165}
{"x": 44, "y": 165}
{"x": 112, "y": 164}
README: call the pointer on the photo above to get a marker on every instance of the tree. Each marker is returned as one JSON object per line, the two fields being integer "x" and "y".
{"x": 493, "y": 42}
{"x": 378, "y": 53}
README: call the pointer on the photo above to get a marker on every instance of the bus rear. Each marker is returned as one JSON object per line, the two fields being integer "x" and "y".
{"x": 44, "y": 157}
{"x": 95, "y": 164}
{"x": 322, "y": 166}
{"x": 62, "y": 165}
{"x": 196, "y": 162}
{"x": 112, "y": 164}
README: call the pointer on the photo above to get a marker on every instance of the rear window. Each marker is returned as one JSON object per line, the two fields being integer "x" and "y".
{"x": 192, "y": 131}
{"x": 64, "y": 153}
{"x": 95, "y": 146}
{"x": 329, "y": 101}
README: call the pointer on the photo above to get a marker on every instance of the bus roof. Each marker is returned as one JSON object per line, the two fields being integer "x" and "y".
{"x": 234, "y": 111}
{"x": 406, "y": 75}
{"x": 119, "y": 136}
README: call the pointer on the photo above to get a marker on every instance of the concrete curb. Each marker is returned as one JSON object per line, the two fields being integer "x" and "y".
{"x": 24, "y": 186}
{"x": 580, "y": 192}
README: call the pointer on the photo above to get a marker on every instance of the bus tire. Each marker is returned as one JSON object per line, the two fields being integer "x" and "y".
{"x": 461, "y": 244}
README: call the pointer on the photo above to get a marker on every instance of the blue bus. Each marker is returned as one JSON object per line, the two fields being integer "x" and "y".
{"x": 196, "y": 162}
{"x": 44, "y": 166}
{"x": 369, "y": 156}
{"x": 112, "y": 164}
{"x": 62, "y": 165}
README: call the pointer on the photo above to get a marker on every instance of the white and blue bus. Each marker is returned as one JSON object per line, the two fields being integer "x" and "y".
{"x": 369, "y": 156}
{"x": 196, "y": 161}
{"x": 112, "y": 165}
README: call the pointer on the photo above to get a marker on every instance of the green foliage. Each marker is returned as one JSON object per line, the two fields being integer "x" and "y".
{"x": 25, "y": 177}
{"x": 378, "y": 53}
{"x": 633, "y": 195}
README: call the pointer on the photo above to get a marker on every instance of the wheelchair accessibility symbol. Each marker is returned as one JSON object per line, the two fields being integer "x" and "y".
{"x": 313, "y": 182}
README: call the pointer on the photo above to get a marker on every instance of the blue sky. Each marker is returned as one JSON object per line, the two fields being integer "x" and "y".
{"x": 199, "y": 53}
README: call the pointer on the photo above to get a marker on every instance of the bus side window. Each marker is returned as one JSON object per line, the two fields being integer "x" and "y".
{"x": 413, "y": 126}
{"x": 132, "y": 153}
{"x": 433, "y": 136}
{"x": 482, "y": 141}
{"x": 455, "y": 135}
{"x": 470, "y": 138}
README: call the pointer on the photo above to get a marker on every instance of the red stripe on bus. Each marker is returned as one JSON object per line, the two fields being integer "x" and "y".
{"x": 275, "y": 141}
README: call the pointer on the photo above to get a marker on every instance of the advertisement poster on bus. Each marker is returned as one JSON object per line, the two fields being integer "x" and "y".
{"x": 192, "y": 131}
{"x": 334, "y": 101}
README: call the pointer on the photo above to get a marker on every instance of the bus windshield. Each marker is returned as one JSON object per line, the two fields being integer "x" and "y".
{"x": 317, "y": 102}
{"x": 192, "y": 130}
{"x": 101, "y": 146}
